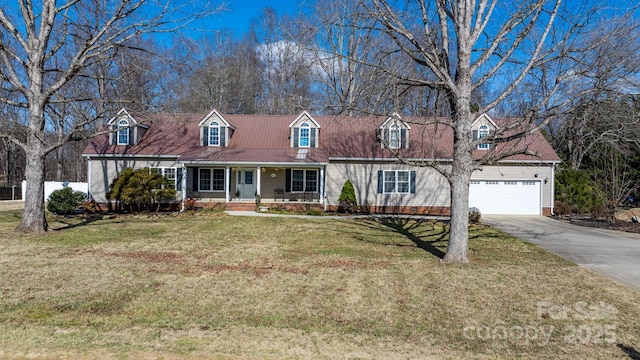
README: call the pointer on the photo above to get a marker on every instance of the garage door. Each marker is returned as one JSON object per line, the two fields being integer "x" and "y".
{"x": 505, "y": 197}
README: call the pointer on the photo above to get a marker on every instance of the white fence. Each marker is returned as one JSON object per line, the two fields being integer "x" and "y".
{"x": 51, "y": 186}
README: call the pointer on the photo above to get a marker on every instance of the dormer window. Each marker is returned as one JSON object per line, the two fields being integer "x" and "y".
{"x": 214, "y": 133}
{"x": 304, "y": 134}
{"x": 483, "y": 131}
{"x": 393, "y": 134}
{"x": 123, "y": 132}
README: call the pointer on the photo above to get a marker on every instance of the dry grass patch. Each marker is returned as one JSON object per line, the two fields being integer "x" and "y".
{"x": 219, "y": 286}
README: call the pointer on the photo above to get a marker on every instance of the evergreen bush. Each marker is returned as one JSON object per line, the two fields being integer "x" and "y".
{"x": 347, "y": 202}
{"x": 65, "y": 201}
{"x": 141, "y": 188}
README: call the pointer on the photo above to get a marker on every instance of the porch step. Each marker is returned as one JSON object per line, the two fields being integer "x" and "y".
{"x": 241, "y": 206}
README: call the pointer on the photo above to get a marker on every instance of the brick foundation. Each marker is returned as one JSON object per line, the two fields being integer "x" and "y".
{"x": 406, "y": 210}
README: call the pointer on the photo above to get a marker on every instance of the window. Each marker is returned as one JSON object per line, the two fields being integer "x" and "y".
{"x": 174, "y": 175}
{"x": 483, "y": 131}
{"x": 211, "y": 180}
{"x": 214, "y": 133}
{"x": 170, "y": 174}
{"x": 123, "y": 132}
{"x": 218, "y": 180}
{"x": 394, "y": 136}
{"x": 398, "y": 182}
{"x": 304, "y": 180}
{"x": 304, "y": 135}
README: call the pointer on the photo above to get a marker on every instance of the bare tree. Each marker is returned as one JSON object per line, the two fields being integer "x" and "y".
{"x": 466, "y": 45}
{"x": 223, "y": 73}
{"x": 44, "y": 48}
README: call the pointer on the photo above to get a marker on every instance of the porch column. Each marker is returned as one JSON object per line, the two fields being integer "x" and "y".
{"x": 322, "y": 185}
{"x": 183, "y": 186}
{"x": 258, "y": 181}
{"x": 227, "y": 184}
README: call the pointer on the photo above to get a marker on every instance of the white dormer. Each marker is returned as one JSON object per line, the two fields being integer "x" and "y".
{"x": 216, "y": 131}
{"x": 482, "y": 127}
{"x": 125, "y": 130}
{"x": 304, "y": 131}
{"x": 394, "y": 133}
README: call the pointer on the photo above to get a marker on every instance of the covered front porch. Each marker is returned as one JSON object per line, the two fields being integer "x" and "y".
{"x": 240, "y": 183}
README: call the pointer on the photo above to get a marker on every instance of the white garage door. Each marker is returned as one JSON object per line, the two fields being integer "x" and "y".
{"x": 505, "y": 197}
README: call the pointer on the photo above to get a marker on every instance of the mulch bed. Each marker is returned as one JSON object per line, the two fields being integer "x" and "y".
{"x": 601, "y": 223}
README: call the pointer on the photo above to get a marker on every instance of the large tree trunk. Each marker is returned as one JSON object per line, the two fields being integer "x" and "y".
{"x": 33, "y": 218}
{"x": 459, "y": 183}
{"x": 462, "y": 166}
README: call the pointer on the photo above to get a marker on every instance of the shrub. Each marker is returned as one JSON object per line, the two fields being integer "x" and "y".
{"x": 347, "y": 201}
{"x": 65, "y": 201}
{"x": 562, "y": 208}
{"x": 141, "y": 188}
{"x": 573, "y": 187}
{"x": 474, "y": 215}
{"x": 190, "y": 204}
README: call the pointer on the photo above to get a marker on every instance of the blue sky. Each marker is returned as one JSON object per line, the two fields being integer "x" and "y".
{"x": 241, "y": 12}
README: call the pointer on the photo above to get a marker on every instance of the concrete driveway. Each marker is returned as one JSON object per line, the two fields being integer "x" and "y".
{"x": 614, "y": 254}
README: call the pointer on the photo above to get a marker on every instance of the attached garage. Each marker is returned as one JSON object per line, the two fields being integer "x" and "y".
{"x": 514, "y": 197}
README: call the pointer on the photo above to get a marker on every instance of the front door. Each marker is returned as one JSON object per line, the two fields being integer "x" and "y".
{"x": 247, "y": 183}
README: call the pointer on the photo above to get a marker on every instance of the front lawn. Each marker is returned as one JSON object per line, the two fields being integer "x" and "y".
{"x": 215, "y": 286}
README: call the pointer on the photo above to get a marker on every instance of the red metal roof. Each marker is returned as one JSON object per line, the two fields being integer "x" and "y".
{"x": 265, "y": 139}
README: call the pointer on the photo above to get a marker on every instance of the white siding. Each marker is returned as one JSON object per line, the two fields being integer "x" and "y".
{"x": 103, "y": 171}
{"x": 432, "y": 189}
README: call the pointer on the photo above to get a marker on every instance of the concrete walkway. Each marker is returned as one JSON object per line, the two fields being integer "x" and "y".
{"x": 614, "y": 254}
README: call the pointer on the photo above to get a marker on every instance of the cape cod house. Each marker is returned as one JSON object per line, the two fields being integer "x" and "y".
{"x": 304, "y": 159}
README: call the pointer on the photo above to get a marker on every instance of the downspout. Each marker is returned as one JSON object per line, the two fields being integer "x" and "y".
{"x": 89, "y": 197}
{"x": 553, "y": 185}
{"x": 323, "y": 174}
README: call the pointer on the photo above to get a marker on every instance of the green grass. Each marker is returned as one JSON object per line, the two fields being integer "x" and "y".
{"x": 215, "y": 286}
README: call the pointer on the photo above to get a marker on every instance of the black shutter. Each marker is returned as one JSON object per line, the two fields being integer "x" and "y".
{"x": 288, "y": 180}
{"x": 296, "y": 136}
{"x": 179, "y": 179}
{"x": 113, "y": 135}
{"x": 205, "y": 136}
{"x": 313, "y": 137}
{"x": 475, "y": 135}
{"x": 132, "y": 135}
{"x": 413, "y": 182}
{"x": 385, "y": 137}
{"x": 379, "y": 135}
{"x": 223, "y": 140}
{"x": 380, "y": 181}
{"x": 194, "y": 179}
{"x": 403, "y": 139}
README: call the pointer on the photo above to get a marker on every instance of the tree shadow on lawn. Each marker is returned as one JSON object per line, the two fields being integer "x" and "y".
{"x": 632, "y": 352}
{"x": 70, "y": 223}
{"x": 414, "y": 230}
